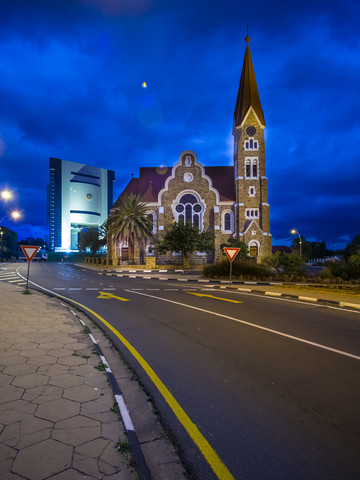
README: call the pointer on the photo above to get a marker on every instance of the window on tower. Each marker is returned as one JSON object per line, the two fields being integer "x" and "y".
{"x": 251, "y": 168}
{"x": 227, "y": 224}
{"x": 251, "y": 144}
{"x": 252, "y": 213}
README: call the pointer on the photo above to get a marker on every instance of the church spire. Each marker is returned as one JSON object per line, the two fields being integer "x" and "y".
{"x": 248, "y": 95}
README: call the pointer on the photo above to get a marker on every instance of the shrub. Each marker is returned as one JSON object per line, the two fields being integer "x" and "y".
{"x": 346, "y": 270}
{"x": 222, "y": 270}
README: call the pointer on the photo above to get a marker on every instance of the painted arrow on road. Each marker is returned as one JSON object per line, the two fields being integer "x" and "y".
{"x": 111, "y": 295}
{"x": 212, "y": 296}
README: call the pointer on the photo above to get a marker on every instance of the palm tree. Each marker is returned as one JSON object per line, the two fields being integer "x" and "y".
{"x": 130, "y": 223}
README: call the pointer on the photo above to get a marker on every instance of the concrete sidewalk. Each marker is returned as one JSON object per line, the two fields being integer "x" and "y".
{"x": 57, "y": 418}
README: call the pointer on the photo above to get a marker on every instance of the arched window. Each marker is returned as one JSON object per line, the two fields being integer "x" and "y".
{"x": 251, "y": 168}
{"x": 152, "y": 217}
{"x": 227, "y": 223}
{"x": 251, "y": 144}
{"x": 189, "y": 210}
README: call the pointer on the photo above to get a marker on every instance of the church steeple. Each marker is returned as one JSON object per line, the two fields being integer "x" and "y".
{"x": 248, "y": 94}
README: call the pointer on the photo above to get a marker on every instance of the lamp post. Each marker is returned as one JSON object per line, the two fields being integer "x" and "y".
{"x": 1, "y": 233}
{"x": 294, "y": 231}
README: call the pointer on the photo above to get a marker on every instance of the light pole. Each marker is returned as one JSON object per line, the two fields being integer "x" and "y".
{"x": 1, "y": 233}
{"x": 6, "y": 194}
{"x": 294, "y": 231}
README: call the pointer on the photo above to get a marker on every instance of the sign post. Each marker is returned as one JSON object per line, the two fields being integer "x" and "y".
{"x": 29, "y": 251}
{"x": 231, "y": 254}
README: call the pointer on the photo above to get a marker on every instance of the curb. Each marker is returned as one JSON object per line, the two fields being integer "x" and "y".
{"x": 337, "y": 303}
{"x": 304, "y": 298}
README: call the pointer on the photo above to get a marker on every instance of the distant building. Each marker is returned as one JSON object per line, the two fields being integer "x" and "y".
{"x": 229, "y": 201}
{"x": 79, "y": 196}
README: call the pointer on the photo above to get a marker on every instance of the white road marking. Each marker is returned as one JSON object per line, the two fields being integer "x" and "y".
{"x": 259, "y": 327}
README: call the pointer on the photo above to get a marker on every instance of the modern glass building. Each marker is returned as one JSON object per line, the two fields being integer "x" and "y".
{"x": 79, "y": 196}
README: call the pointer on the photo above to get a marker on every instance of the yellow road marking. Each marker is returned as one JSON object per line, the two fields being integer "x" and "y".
{"x": 212, "y": 296}
{"x": 111, "y": 295}
{"x": 213, "y": 459}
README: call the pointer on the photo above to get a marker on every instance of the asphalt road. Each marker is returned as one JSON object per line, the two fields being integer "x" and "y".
{"x": 277, "y": 402}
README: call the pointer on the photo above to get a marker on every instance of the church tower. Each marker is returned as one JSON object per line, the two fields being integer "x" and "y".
{"x": 252, "y": 224}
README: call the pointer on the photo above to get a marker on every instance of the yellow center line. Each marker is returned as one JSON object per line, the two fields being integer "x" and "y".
{"x": 213, "y": 459}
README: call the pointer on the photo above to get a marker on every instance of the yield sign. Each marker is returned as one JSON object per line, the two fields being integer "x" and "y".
{"x": 231, "y": 253}
{"x": 29, "y": 251}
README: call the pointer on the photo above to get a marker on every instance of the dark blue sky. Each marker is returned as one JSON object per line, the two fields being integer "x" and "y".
{"x": 70, "y": 87}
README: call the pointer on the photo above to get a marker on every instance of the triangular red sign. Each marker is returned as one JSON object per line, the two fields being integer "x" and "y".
{"x": 231, "y": 253}
{"x": 29, "y": 251}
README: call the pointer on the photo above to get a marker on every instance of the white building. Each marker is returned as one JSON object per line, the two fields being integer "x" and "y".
{"x": 79, "y": 196}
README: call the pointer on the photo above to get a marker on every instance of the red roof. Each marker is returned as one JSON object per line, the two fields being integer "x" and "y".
{"x": 152, "y": 179}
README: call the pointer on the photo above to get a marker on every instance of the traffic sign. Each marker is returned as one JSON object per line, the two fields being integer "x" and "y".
{"x": 29, "y": 251}
{"x": 231, "y": 253}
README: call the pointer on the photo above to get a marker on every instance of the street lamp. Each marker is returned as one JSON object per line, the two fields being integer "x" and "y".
{"x": 5, "y": 194}
{"x": 1, "y": 233}
{"x": 294, "y": 231}
{"x": 15, "y": 215}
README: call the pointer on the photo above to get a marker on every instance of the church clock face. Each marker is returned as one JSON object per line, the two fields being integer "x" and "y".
{"x": 251, "y": 131}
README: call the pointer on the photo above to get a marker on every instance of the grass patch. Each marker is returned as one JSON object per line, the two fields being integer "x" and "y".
{"x": 85, "y": 330}
{"x": 123, "y": 447}
{"x": 101, "y": 367}
{"x": 27, "y": 292}
{"x": 115, "y": 408}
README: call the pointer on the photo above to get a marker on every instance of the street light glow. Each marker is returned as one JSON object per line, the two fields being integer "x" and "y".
{"x": 15, "y": 214}
{"x": 5, "y": 194}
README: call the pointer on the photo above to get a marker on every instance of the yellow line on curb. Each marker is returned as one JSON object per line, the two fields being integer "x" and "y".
{"x": 213, "y": 459}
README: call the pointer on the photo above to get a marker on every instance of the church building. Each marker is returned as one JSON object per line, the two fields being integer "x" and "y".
{"x": 229, "y": 201}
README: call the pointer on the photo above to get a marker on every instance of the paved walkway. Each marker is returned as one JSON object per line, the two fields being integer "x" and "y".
{"x": 56, "y": 418}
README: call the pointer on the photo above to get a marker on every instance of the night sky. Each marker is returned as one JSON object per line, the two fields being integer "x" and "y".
{"x": 71, "y": 74}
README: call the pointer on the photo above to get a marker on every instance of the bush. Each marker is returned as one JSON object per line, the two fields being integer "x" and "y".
{"x": 222, "y": 270}
{"x": 345, "y": 270}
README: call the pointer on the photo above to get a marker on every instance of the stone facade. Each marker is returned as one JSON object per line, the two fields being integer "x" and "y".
{"x": 228, "y": 201}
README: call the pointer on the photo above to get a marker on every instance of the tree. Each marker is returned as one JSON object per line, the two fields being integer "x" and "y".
{"x": 353, "y": 247}
{"x": 8, "y": 243}
{"x": 236, "y": 243}
{"x": 286, "y": 263}
{"x": 129, "y": 223}
{"x": 185, "y": 238}
{"x": 89, "y": 238}
{"x": 39, "y": 242}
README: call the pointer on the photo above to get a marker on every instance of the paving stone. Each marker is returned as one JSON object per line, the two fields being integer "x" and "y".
{"x": 51, "y": 345}
{"x": 12, "y": 360}
{"x": 10, "y": 476}
{"x": 8, "y": 352}
{"x": 30, "y": 380}
{"x": 5, "y": 379}
{"x": 111, "y": 455}
{"x": 76, "y": 436}
{"x": 43, "y": 459}
{"x": 66, "y": 380}
{"x": 70, "y": 474}
{"x": 60, "y": 352}
{"x": 41, "y": 360}
{"x": 86, "y": 465}
{"x": 32, "y": 438}
{"x": 42, "y": 394}
{"x": 83, "y": 369}
{"x": 93, "y": 448}
{"x": 72, "y": 361}
{"x": 34, "y": 352}
{"x": 9, "y": 393}
{"x": 32, "y": 424}
{"x": 58, "y": 410}
{"x": 6, "y": 453}
{"x": 95, "y": 380}
{"x": 23, "y": 369}
{"x": 20, "y": 406}
{"x": 81, "y": 393}
{"x": 112, "y": 430}
{"x": 10, "y": 436}
{"x": 53, "y": 370}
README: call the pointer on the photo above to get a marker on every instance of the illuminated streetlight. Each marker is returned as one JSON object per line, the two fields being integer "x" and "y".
{"x": 294, "y": 231}
{"x": 15, "y": 215}
{"x": 5, "y": 194}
